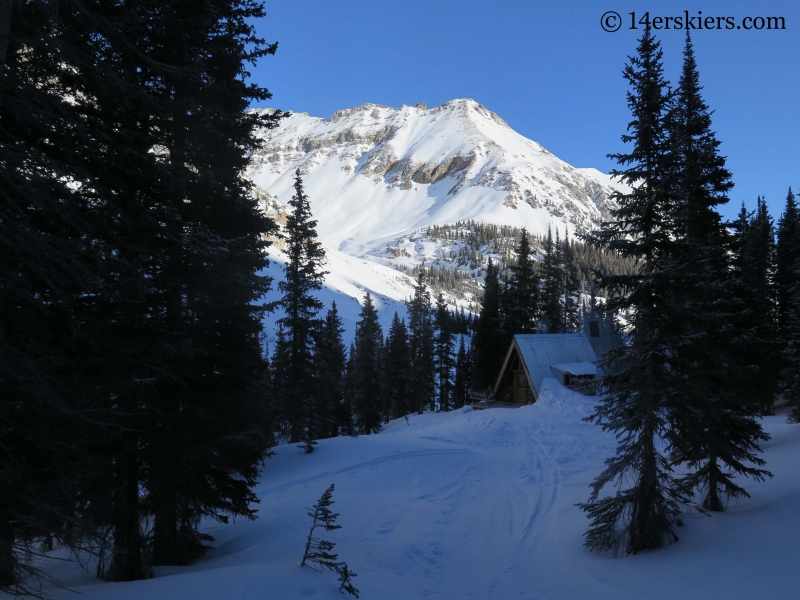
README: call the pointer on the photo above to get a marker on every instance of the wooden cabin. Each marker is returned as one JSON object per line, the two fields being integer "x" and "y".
{"x": 569, "y": 357}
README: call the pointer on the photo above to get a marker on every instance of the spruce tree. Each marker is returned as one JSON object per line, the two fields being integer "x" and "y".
{"x": 754, "y": 248}
{"x": 489, "y": 343}
{"x": 713, "y": 431}
{"x": 521, "y": 298}
{"x": 787, "y": 253}
{"x": 396, "y": 370}
{"x": 331, "y": 360}
{"x": 790, "y": 374}
{"x": 349, "y": 390}
{"x": 303, "y": 276}
{"x": 443, "y": 355}
{"x": 211, "y": 278}
{"x": 461, "y": 384}
{"x": 638, "y": 390}
{"x": 367, "y": 370}
{"x": 420, "y": 341}
{"x": 787, "y": 278}
{"x": 572, "y": 288}
{"x": 553, "y": 288}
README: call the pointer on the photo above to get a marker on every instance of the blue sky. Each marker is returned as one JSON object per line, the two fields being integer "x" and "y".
{"x": 548, "y": 69}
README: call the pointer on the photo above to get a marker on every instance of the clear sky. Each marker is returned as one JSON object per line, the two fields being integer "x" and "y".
{"x": 548, "y": 69}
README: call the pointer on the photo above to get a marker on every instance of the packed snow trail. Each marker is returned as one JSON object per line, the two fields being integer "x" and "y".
{"x": 479, "y": 504}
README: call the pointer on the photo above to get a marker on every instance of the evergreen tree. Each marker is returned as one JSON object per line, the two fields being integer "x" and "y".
{"x": 420, "y": 341}
{"x": 95, "y": 102}
{"x": 573, "y": 288}
{"x": 787, "y": 253}
{"x": 367, "y": 369}
{"x": 210, "y": 279}
{"x": 303, "y": 276}
{"x": 443, "y": 355}
{"x": 396, "y": 370}
{"x": 463, "y": 375}
{"x": 754, "y": 250}
{"x": 712, "y": 429}
{"x": 787, "y": 278}
{"x": 349, "y": 389}
{"x": 790, "y": 375}
{"x": 638, "y": 390}
{"x": 489, "y": 343}
{"x": 331, "y": 361}
{"x": 553, "y": 288}
{"x": 521, "y": 298}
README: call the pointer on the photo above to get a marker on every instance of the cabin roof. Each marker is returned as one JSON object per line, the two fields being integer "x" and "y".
{"x": 540, "y": 351}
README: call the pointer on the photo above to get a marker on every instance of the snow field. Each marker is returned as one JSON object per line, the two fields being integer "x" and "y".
{"x": 479, "y": 504}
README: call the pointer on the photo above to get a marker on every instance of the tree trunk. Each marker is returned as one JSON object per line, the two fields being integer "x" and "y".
{"x": 126, "y": 559}
{"x": 165, "y": 535}
{"x": 712, "y": 500}
{"x": 8, "y": 562}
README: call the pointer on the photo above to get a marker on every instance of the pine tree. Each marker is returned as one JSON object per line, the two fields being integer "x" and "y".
{"x": 420, "y": 342}
{"x": 489, "y": 343}
{"x": 553, "y": 288}
{"x": 787, "y": 278}
{"x": 443, "y": 355}
{"x": 638, "y": 389}
{"x": 790, "y": 374}
{"x": 303, "y": 276}
{"x": 521, "y": 298}
{"x": 137, "y": 243}
{"x": 754, "y": 248}
{"x": 396, "y": 371}
{"x": 318, "y": 553}
{"x": 463, "y": 375}
{"x": 367, "y": 390}
{"x": 331, "y": 360}
{"x": 712, "y": 429}
{"x": 349, "y": 389}
{"x": 210, "y": 279}
{"x": 572, "y": 288}
{"x": 787, "y": 253}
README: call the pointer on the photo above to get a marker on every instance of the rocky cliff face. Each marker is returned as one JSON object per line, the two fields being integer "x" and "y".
{"x": 375, "y": 173}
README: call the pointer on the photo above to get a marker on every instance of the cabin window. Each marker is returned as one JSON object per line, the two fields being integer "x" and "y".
{"x": 594, "y": 329}
{"x": 521, "y": 380}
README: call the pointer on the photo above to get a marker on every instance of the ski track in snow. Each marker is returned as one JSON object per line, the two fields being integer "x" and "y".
{"x": 477, "y": 504}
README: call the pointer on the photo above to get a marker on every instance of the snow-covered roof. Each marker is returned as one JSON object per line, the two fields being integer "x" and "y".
{"x": 580, "y": 368}
{"x": 540, "y": 351}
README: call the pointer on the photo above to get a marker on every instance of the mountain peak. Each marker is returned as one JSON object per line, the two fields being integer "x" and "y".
{"x": 375, "y": 173}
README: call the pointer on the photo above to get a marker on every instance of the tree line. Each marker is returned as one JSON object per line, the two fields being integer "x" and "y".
{"x": 321, "y": 389}
{"x": 458, "y": 271}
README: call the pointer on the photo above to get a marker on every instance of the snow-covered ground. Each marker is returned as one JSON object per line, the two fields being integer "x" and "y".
{"x": 480, "y": 504}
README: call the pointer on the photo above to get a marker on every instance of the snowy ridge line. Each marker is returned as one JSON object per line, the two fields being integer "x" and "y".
{"x": 376, "y": 173}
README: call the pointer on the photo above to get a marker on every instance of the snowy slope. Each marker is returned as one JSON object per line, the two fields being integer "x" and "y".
{"x": 375, "y": 173}
{"x": 347, "y": 282}
{"x": 480, "y": 505}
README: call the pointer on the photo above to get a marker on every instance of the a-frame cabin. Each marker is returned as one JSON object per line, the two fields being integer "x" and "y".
{"x": 532, "y": 357}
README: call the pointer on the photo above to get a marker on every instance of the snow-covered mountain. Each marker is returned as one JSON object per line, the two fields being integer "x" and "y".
{"x": 378, "y": 177}
{"x": 375, "y": 174}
